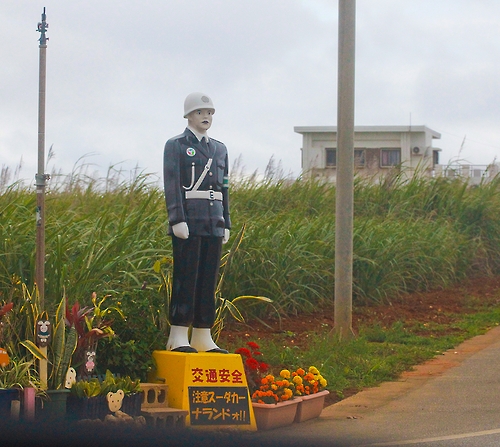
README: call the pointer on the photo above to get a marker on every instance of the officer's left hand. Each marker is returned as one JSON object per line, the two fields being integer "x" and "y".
{"x": 226, "y": 236}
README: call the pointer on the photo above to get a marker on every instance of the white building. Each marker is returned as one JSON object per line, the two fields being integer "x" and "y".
{"x": 377, "y": 149}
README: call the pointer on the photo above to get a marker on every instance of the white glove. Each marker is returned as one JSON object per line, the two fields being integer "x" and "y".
{"x": 225, "y": 238}
{"x": 181, "y": 230}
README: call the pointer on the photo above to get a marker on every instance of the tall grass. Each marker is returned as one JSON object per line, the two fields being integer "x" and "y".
{"x": 105, "y": 235}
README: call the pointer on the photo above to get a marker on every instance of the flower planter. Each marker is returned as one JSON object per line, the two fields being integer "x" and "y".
{"x": 270, "y": 416}
{"x": 310, "y": 406}
{"x": 132, "y": 404}
{"x": 87, "y": 407}
{"x": 97, "y": 407}
{"x": 54, "y": 408}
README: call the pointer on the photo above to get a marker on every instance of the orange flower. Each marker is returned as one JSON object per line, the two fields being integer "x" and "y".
{"x": 272, "y": 391}
{"x": 308, "y": 383}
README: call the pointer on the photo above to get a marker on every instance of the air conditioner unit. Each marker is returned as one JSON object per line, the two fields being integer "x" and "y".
{"x": 417, "y": 151}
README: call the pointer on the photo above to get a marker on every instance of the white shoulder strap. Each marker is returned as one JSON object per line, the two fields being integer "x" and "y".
{"x": 203, "y": 175}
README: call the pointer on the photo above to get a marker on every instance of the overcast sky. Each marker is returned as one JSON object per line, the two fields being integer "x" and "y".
{"x": 118, "y": 73}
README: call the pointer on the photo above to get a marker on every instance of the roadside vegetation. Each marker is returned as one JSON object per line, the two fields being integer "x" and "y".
{"x": 109, "y": 236}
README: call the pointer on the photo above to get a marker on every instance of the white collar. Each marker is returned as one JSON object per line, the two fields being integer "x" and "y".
{"x": 199, "y": 135}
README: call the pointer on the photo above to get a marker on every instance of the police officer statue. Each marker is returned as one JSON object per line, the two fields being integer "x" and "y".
{"x": 195, "y": 170}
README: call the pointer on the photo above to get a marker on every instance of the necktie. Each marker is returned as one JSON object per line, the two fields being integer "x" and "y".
{"x": 204, "y": 143}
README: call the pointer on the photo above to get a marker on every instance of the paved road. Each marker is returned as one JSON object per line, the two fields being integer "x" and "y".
{"x": 451, "y": 401}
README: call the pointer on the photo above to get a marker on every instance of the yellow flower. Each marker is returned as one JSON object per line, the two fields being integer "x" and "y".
{"x": 285, "y": 373}
{"x": 313, "y": 370}
{"x": 297, "y": 380}
{"x": 323, "y": 382}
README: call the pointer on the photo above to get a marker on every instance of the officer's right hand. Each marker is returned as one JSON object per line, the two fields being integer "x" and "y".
{"x": 181, "y": 230}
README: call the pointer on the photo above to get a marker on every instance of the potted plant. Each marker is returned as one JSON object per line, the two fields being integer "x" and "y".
{"x": 311, "y": 387}
{"x": 88, "y": 397}
{"x": 290, "y": 397}
{"x": 273, "y": 398}
{"x": 86, "y": 401}
{"x": 18, "y": 378}
{"x": 131, "y": 388}
{"x": 60, "y": 349}
{"x": 77, "y": 331}
{"x": 92, "y": 324}
{"x": 15, "y": 377}
{"x": 274, "y": 402}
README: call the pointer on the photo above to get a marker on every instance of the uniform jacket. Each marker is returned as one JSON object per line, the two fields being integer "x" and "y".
{"x": 204, "y": 217}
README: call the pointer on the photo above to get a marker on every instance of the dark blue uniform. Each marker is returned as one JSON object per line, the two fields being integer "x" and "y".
{"x": 196, "y": 259}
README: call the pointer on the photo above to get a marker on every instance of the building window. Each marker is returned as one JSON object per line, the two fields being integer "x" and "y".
{"x": 359, "y": 158}
{"x": 435, "y": 158}
{"x": 331, "y": 157}
{"x": 390, "y": 157}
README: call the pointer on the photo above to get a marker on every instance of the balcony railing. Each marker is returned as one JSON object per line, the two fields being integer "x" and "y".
{"x": 475, "y": 174}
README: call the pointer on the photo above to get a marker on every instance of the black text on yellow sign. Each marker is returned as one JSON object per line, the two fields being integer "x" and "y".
{"x": 219, "y": 405}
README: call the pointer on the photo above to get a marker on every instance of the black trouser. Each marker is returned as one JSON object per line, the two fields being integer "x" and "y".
{"x": 196, "y": 271}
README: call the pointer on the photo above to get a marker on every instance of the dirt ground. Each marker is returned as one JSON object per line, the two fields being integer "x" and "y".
{"x": 435, "y": 306}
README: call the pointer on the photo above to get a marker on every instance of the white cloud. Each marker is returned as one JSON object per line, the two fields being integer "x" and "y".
{"x": 117, "y": 75}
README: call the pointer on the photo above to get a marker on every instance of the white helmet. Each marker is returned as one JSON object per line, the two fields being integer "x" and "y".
{"x": 195, "y": 101}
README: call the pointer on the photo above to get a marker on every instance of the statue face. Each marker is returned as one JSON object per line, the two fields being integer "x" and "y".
{"x": 200, "y": 119}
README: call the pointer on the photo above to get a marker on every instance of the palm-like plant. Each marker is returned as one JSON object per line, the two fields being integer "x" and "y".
{"x": 19, "y": 374}
{"x": 92, "y": 324}
{"x": 62, "y": 346}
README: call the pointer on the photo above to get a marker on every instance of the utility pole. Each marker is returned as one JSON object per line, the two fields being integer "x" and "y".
{"x": 344, "y": 211}
{"x": 40, "y": 179}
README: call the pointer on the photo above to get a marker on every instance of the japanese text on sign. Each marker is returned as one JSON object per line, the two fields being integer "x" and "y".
{"x": 212, "y": 375}
{"x": 219, "y": 405}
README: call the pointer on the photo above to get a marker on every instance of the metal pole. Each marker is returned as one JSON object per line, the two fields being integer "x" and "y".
{"x": 40, "y": 179}
{"x": 345, "y": 170}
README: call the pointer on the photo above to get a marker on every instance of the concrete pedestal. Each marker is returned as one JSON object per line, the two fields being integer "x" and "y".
{"x": 211, "y": 387}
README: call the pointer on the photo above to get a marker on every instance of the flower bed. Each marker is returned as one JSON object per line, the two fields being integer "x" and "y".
{"x": 280, "y": 400}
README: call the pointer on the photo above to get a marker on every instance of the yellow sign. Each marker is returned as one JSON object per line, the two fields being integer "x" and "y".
{"x": 211, "y": 387}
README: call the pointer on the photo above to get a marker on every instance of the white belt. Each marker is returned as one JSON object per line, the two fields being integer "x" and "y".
{"x": 209, "y": 195}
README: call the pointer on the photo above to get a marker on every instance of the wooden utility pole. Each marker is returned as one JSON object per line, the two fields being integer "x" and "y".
{"x": 345, "y": 170}
{"x": 40, "y": 179}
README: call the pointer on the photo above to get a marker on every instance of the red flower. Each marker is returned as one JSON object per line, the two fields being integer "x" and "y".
{"x": 263, "y": 367}
{"x": 252, "y": 363}
{"x": 244, "y": 352}
{"x": 253, "y": 367}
